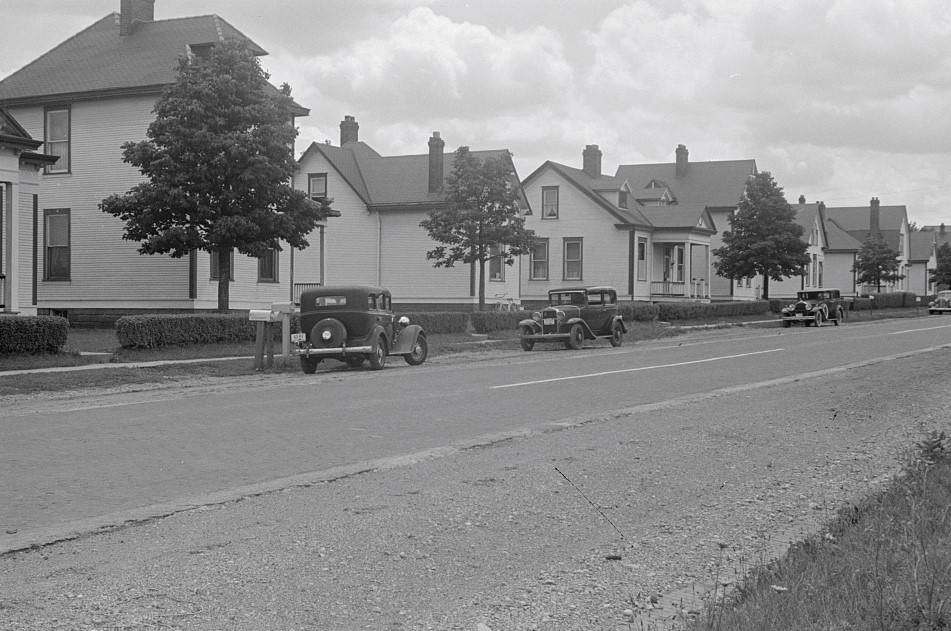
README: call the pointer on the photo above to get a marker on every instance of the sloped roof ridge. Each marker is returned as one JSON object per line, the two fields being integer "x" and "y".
{"x": 59, "y": 45}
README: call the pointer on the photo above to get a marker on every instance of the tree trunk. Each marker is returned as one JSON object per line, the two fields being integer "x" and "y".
{"x": 224, "y": 280}
{"x": 765, "y": 295}
{"x": 481, "y": 285}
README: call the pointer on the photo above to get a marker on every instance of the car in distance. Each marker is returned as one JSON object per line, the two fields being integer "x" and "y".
{"x": 815, "y": 306}
{"x": 573, "y": 315}
{"x": 354, "y": 324}
{"x": 941, "y": 303}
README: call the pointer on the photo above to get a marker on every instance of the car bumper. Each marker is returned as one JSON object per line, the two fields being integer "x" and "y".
{"x": 334, "y": 351}
{"x": 939, "y": 309}
{"x": 795, "y": 317}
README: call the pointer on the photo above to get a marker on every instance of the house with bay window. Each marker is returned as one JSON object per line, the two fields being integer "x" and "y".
{"x": 597, "y": 229}
{"x": 82, "y": 100}
{"x": 377, "y": 239}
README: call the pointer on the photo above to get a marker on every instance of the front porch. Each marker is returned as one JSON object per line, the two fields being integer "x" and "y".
{"x": 680, "y": 271}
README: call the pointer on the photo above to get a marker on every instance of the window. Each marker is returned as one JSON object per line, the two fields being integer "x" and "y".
{"x": 572, "y": 258}
{"x": 56, "y": 233}
{"x": 496, "y": 264}
{"x": 267, "y": 267}
{"x": 674, "y": 263}
{"x": 549, "y": 202}
{"x": 539, "y": 260}
{"x": 214, "y": 266}
{"x": 622, "y": 199}
{"x": 641, "y": 258}
{"x": 57, "y": 138}
{"x": 317, "y": 186}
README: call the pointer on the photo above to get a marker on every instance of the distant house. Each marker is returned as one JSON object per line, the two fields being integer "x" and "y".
{"x": 923, "y": 257}
{"x": 811, "y": 218}
{"x": 596, "y": 229}
{"x": 20, "y": 172}
{"x": 83, "y": 99}
{"x": 717, "y": 186}
{"x": 859, "y": 223}
{"x": 377, "y": 238}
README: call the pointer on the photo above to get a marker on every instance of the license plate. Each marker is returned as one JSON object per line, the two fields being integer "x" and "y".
{"x": 548, "y": 321}
{"x": 298, "y": 337}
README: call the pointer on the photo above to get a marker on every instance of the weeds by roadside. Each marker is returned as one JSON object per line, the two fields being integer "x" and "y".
{"x": 883, "y": 565}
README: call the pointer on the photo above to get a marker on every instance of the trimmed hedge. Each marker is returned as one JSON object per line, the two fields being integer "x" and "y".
{"x": 33, "y": 334}
{"x": 150, "y": 331}
{"x": 439, "y": 321}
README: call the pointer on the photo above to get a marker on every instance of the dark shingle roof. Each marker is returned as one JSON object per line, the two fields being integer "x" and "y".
{"x": 716, "y": 184}
{"x": 98, "y": 61}
{"x": 855, "y": 220}
{"x": 391, "y": 181}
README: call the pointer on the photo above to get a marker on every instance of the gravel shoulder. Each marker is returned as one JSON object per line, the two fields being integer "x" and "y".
{"x": 614, "y": 523}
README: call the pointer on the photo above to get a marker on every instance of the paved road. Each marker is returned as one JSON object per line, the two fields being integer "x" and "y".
{"x": 76, "y": 465}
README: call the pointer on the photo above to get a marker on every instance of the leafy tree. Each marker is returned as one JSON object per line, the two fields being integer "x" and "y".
{"x": 218, "y": 164}
{"x": 482, "y": 217}
{"x": 763, "y": 237}
{"x": 941, "y": 275}
{"x": 876, "y": 263}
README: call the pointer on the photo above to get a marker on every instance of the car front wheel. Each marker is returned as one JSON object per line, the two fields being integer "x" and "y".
{"x": 378, "y": 356}
{"x": 419, "y": 353}
{"x": 527, "y": 345}
{"x": 617, "y": 334}
{"x": 819, "y": 319}
{"x": 309, "y": 364}
{"x": 575, "y": 337}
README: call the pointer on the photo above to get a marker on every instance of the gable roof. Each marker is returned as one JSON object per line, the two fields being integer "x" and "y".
{"x": 392, "y": 182}
{"x": 856, "y": 221}
{"x": 923, "y": 242}
{"x": 716, "y": 184}
{"x": 98, "y": 62}
{"x": 14, "y": 136}
{"x": 808, "y": 216}
{"x": 592, "y": 188}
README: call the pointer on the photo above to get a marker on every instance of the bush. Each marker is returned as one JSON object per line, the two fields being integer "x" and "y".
{"x": 710, "y": 310}
{"x": 150, "y": 331}
{"x": 486, "y": 321}
{"x": 439, "y": 321}
{"x": 32, "y": 334}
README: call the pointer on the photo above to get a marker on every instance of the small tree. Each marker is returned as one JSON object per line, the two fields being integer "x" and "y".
{"x": 482, "y": 218}
{"x": 876, "y": 263}
{"x": 763, "y": 237}
{"x": 218, "y": 163}
{"x": 941, "y": 275}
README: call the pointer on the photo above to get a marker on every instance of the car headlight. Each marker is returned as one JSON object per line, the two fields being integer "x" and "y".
{"x": 536, "y": 316}
{"x": 404, "y": 321}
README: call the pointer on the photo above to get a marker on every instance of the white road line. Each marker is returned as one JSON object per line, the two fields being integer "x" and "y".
{"x": 930, "y": 328}
{"x": 616, "y": 372}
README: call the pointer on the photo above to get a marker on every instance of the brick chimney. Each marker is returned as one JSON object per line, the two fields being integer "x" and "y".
{"x": 349, "y": 130}
{"x": 436, "y": 145}
{"x": 802, "y": 200}
{"x": 132, "y": 11}
{"x": 682, "y": 160}
{"x": 591, "y": 161}
{"x": 873, "y": 218}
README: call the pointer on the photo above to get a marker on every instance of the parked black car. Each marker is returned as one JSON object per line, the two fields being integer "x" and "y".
{"x": 573, "y": 315}
{"x": 815, "y": 306}
{"x": 353, "y": 324}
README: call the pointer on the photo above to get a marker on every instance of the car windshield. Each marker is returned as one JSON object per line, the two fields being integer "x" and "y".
{"x": 566, "y": 298}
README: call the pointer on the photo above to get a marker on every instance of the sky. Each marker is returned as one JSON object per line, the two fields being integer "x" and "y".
{"x": 841, "y": 100}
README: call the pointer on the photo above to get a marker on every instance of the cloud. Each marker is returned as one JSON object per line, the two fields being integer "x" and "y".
{"x": 428, "y": 66}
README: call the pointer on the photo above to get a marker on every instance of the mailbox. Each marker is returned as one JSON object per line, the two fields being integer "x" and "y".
{"x": 262, "y": 315}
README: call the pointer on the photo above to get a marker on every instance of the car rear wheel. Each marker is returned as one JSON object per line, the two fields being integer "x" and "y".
{"x": 309, "y": 364}
{"x": 527, "y": 345}
{"x": 617, "y": 334}
{"x": 354, "y": 361}
{"x": 575, "y": 337}
{"x": 419, "y": 353}
{"x": 378, "y": 356}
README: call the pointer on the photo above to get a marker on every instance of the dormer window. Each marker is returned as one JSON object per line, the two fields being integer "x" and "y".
{"x": 201, "y": 51}
{"x": 622, "y": 199}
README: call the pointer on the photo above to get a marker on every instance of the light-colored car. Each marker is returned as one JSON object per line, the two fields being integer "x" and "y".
{"x": 941, "y": 303}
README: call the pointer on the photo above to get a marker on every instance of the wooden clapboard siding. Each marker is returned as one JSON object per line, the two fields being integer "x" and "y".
{"x": 407, "y": 272}
{"x": 605, "y": 249}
